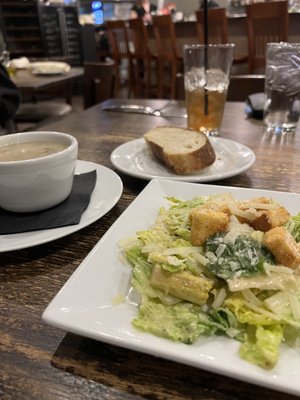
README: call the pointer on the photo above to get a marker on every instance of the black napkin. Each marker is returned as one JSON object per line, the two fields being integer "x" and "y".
{"x": 66, "y": 213}
{"x": 255, "y": 105}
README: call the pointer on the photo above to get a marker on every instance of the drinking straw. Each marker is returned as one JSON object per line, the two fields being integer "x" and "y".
{"x": 205, "y": 26}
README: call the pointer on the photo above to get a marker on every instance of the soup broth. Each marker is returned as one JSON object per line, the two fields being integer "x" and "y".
{"x": 29, "y": 150}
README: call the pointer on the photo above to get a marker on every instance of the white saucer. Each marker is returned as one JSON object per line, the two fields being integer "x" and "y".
{"x": 107, "y": 192}
{"x": 134, "y": 158}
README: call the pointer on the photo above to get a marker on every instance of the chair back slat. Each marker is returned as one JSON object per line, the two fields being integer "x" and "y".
{"x": 118, "y": 38}
{"x": 266, "y": 22}
{"x": 166, "y": 47}
{"x": 144, "y": 61}
{"x": 164, "y": 32}
{"x": 139, "y": 36}
{"x": 117, "y": 31}
{"x": 217, "y": 25}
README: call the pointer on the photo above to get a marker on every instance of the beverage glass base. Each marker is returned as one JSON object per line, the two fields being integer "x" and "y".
{"x": 214, "y": 132}
{"x": 280, "y": 130}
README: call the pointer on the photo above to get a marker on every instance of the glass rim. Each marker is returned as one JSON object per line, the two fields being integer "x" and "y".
{"x": 209, "y": 45}
{"x": 287, "y": 45}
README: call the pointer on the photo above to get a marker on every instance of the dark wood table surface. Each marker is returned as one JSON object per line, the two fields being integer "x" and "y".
{"x": 38, "y": 361}
{"x": 30, "y": 84}
{"x": 27, "y": 81}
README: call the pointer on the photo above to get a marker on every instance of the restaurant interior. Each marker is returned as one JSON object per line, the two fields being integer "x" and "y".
{"x": 88, "y": 307}
{"x": 147, "y": 60}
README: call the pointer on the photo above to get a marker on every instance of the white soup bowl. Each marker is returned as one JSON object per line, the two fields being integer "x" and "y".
{"x": 38, "y": 183}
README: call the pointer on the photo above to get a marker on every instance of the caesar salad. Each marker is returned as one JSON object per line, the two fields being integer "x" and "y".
{"x": 215, "y": 265}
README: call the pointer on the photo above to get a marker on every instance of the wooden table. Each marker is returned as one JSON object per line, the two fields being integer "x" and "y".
{"x": 40, "y": 362}
{"x": 30, "y": 84}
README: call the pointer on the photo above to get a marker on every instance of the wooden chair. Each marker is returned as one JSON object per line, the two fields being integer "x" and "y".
{"x": 119, "y": 42}
{"x": 266, "y": 22}
{"x": 241, "y": 86}
{"x": 143, "y": 59}
{"x": 217, "y": 29}
{"x": 167, "y": 54}
{"x": 217, "y": 25}
{"x": 98, "y": 83}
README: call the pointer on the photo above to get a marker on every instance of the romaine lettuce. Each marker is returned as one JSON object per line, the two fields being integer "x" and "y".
{"x": 184, "y": 322}
{"x": 293, "y": 227}
{"x": 261, "y": 347}
{"x": 245, "y": 315}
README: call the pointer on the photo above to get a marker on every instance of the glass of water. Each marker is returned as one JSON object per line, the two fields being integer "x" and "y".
{"x": 282, "y": 88}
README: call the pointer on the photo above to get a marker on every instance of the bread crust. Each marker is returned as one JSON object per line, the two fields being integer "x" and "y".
{"x": 182, "y": 162}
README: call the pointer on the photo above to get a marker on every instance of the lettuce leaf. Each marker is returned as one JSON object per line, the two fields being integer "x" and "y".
{"x": 181, "y": 322}
{"x": 264, "y": 334}
{"x": 176, "y": 218}
{"x": 293, "y": 227}
{"x": 188, "y": 204}
{"x": 246, "y": 315}
{"x": 261, "y": 347}
{"x": 232, "y": 327}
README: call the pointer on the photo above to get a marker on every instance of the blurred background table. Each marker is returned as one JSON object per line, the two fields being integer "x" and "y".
{"x": 38, "y": 361}
{"x": 30, "y": 84}
{"x": 45, "y": 98}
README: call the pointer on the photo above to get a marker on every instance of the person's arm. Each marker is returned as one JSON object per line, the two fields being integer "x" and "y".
{"x": 9, "y": 97}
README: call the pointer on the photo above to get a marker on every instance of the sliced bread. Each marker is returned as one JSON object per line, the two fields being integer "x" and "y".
{"x": 182, "y": 150}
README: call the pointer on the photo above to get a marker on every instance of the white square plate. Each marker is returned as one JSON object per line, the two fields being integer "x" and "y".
{"x": 87, "y": 305}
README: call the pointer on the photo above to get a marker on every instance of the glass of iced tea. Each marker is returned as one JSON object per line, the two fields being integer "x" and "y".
{"x": 206, "y": 79}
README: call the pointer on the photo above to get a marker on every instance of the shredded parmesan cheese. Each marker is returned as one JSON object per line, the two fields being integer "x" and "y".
{"x": 240, "y": 213}
{"x": 218, "y": 301}
{"x": 262, "y": 206}
{"x": 263, "y": 311}
{"x": 295, "y": 306}
{"x": 250, "y": 296}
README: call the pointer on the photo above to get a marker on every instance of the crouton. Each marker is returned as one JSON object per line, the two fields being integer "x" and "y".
{"x": 285, "y": 249}
{"x": 266, "y": 213}
{"x": 270, "y": 219}
{"x": 205, "y": 223}
{"x": 217, "y": 206}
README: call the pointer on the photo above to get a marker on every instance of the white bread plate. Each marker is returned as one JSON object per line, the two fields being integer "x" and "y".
{"x": 49, "y": 68}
